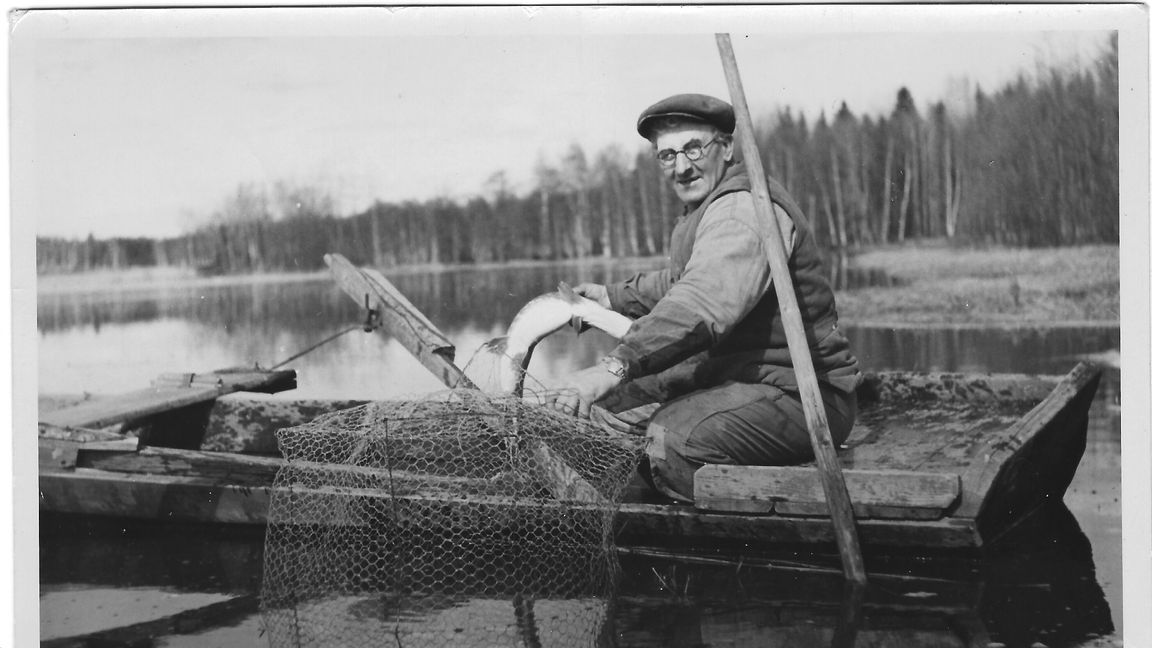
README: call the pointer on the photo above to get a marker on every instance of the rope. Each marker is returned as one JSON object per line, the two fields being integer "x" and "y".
{"x": 371, "y": 323}
{"x": 319, "y": 344}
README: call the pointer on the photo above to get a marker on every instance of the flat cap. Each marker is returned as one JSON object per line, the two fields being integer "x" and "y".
{"x": 702, "y": 107}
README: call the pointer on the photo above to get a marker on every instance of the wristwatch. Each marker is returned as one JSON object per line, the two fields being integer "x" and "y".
{"x": 615, "y": 366}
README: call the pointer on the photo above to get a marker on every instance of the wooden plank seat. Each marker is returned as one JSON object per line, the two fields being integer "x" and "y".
{"x": 796, "y": 490}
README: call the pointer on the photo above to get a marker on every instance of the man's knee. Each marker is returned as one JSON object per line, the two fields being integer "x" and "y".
{"x": 680, "y": 441}
{"x": 670, "y": 471}
{"x": 730, "y": 424}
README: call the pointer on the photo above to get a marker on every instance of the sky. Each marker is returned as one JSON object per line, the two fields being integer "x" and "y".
{"x": 142, "y": 123}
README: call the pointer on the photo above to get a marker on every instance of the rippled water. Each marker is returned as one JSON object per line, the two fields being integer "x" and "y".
{"x": 1059, "y": 593}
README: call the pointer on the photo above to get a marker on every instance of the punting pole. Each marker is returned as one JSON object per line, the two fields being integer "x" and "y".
{"x": 831, "y": 476}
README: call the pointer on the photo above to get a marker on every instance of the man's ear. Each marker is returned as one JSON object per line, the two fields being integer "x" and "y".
{"x": 729, "y": 148}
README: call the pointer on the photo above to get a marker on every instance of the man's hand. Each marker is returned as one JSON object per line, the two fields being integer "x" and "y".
{"x": 596, "y": 292}
{"x": 576, "y": 392}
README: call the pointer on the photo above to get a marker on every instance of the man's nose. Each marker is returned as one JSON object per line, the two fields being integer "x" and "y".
{"x": 682, "y": 163}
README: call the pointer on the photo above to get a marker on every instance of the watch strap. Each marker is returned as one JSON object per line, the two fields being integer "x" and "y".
{"x": 615, "y": 366}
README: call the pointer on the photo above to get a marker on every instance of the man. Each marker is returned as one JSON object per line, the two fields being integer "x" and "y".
{"x": 704, "y": 370}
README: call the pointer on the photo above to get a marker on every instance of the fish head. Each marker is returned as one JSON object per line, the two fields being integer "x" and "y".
{"x": 497, "y": 345}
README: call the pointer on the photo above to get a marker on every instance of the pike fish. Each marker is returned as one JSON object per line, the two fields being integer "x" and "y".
{"x": 542, "y": 317}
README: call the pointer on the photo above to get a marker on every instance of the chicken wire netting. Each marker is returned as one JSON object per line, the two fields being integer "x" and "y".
{"x": 454, "y": 520}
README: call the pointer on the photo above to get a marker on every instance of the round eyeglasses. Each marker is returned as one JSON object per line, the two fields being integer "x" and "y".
{"x": 693, "y": 151}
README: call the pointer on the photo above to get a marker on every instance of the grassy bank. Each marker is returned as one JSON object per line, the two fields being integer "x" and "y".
{"x": 939, "y": 284}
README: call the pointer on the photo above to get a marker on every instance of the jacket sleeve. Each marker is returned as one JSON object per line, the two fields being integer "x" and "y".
{"x": 638, "y": 294}
{"x": 726, "y": 276}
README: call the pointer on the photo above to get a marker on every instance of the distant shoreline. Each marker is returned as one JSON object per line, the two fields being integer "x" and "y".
{"x": 929, "y": 285}
{"x": 167, "y": 277}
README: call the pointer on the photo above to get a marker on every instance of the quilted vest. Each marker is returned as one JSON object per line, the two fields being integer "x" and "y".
{"x": 756, "y": 350}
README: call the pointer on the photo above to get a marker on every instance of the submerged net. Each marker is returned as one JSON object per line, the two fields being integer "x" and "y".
{"x": 459, "y": 519}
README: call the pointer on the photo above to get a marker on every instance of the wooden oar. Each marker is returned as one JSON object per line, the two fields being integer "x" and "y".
{"x": 831, "y": 476}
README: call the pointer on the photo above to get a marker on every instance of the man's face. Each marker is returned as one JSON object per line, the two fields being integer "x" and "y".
{"x": 693, "y": 181}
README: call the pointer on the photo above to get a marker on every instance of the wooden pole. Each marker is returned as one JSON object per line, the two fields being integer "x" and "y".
{"x": 831, "y": 476}
{"x": 400, "y": 319}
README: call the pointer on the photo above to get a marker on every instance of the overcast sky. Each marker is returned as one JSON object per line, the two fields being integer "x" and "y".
{"x": 140, "y": 123}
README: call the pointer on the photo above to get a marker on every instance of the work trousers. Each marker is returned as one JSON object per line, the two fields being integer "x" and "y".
{"x": 731, "y": 423}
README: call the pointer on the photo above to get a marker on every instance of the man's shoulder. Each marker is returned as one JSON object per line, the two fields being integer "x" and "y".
{"x": 735, "y": 203}
{"x": 738, "y": 206}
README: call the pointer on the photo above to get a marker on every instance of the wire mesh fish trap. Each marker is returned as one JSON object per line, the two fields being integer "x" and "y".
{"x": 460, "y": 519}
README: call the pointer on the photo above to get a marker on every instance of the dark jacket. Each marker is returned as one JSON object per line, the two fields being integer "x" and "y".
{"x": 714, "y": 312}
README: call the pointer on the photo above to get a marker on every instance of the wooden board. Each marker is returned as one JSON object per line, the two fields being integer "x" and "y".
{"x": 1036, "y": 458}
{"x": 92, "y": 439}
{"x": 991, "y": 454}
{"x": 60, "y": 447}
{"x": 152, "y": 497}
{"x": 399, "y": 318}
{"x": 813, "y": 509}
{"x": 244, "y": 470}
{"x": 254, "y": 470}
{"x": 656, "y": 523}
{"x": 170, "y": 392}
{"x": 59, "y": 453}
{"x": 195, "y": 499}
{"x": 796, "y": 490}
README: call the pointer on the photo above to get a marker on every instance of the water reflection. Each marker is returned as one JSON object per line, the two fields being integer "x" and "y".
{"x": 1012, "y": 596}
{"x": 1037, "y": 585}
{"x": 996, "y": 350}
{"x": 461, "y": 298}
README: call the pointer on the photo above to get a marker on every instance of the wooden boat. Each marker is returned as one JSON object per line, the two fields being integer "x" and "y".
{"x": 934, "y": 461}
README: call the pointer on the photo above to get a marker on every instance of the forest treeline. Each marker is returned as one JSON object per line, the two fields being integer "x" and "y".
{"x": 1035, "y": 163}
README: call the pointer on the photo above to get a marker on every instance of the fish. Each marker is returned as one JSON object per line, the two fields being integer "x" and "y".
{"x": 541, "y": 317}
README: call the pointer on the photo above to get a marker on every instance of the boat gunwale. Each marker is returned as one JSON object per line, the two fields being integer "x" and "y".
{"x": 958, "y": 528}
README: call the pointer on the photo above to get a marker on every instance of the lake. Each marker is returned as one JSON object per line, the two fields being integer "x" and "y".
{"x": 1065, "y": 593}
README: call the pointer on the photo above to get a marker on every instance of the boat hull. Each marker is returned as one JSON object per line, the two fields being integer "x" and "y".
{"x": 1019, "y": 453}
